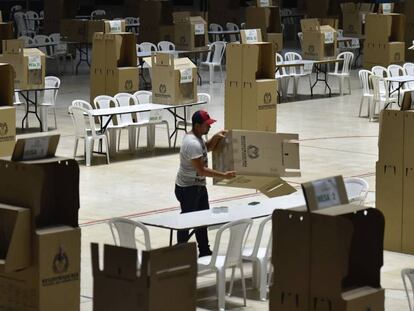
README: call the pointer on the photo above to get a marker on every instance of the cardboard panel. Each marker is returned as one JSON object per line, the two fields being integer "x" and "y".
{"x": 7, "y": 130}
{"x": 383, "y": 28}
{"x": 97, "y": 82}
{"x": 277, "y": 40}
{"x": 120, "y": 80}
{"x": 391, "y": 137}
{"x": 234, "y": 59}
{"x": 233, "y": 105}
{"x": 258, "y": 61}
{"x": 121, "y": 50}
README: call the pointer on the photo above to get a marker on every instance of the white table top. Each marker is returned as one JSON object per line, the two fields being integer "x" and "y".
{"x": 401, "y": 79}
{"x": 207, "y": 218}
{"x": 223, "y": 32}
{"x": 127, "y": 109}
{"x": 302, "y": 62}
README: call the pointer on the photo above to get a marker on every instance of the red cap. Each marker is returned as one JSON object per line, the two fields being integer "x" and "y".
{"x": 201, "y": 117}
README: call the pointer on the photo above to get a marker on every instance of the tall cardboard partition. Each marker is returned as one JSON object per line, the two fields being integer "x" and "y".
{"x": 267, "y": 19}
{"x": 166, "y": 279}
{"x": 260, "y": 159}
{"x": 7, "y": 111}
{"x": 174, "y": 80}
{"x": 353, "y": 17}
{"x": 319, "y": 41}
{"x": 329, "y": 259}
{"x": 190, "y": 32}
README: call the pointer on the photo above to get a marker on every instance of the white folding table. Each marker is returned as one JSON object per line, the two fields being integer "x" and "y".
{"x": 401, "y": 80}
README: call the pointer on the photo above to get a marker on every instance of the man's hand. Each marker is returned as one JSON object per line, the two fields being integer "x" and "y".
{"x": 221, "y": 134}
{"x": 229, "y": 174}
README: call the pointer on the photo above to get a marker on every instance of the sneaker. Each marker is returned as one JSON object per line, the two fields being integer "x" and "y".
{"x": 205, "y": 253}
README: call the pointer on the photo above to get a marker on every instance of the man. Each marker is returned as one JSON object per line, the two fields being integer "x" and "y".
{"x": 190, "y": 185}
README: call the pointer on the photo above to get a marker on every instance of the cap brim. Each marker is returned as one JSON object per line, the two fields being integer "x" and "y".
{"x": 210, "y": 121}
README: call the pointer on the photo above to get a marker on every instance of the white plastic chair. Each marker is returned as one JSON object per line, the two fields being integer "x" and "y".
{"x": 61, "y": 51}
{"x": 104, "y": 101}
{"x": 82, "y": 103}
{"x": 43, "y": 39}
{"x": 152, "y": 118}
{"x": 21, "y": 25}
{"x": 146, "y": 47}
{"x": 85, "y": 129}
{"x": 166, "y": 46}
{"x": 396, "y": 71}
{"x": 32, "y": 23}
{"x": 132, "y": 21}
{"x": 231, "y": 257}
{"x": 408, "y": 274}
{"x": 27, "y": 41}
{"x": 282, "y": 76}
{"x": 215, "y": 27}
{"x": 296, "y": 72}
{"x": 98, "y": 14}
{"x": 300, "y": 36}
{"x": 129, "y": 233}
{"x": 380, "y": 100}
{"x": 409, "y": 69}
{"x": 189, "y": 113}
{"x": 215, "y": 58}
{"x": 381, "y": 72}
{"x": 366, "y": 91}
{"x": 260, "y": 254}
{"x": 233, "y": 27}
{"x": 344, "y": 73}
{"x": 356, "y": 188}
{"x": 49, "y": 100}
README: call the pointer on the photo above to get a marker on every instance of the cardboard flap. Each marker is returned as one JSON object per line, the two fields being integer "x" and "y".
{"x": 120, "y": 262}
{"x": 261, "y": 63}
{"x": 15, "y": 46}
{"x": 290, "y": 151}
{"x": 162, "y": 59}
{"x": 35, "y": 148}
{"x": 276, "y": 188}
{"x": 310, "y": 24}
{"x": 7, "y": 88}
{"x": 15, "y": 238}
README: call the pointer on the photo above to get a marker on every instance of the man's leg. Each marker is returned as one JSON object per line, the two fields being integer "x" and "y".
{"x": 187, "y": 196}
{"x": 201, "y": 234}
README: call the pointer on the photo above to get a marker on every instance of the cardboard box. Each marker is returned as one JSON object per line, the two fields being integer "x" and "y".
{"x": 7, "y": 130}
{"x": 190, "y": 33}
{"x": 319, "y": 42}
{"x": 329, "y": 258}
{"x": 248, "y": 36}
{"x": 29, "y": 64}
{"x": 6, "y": 32}
{"x": 81, "y": 30}
{"x": 52, "y": 281}
{"x": 7, "y": 88}
{"x": 232, "y": 104}
{"x": 332, "y": 22}
{"x": 120, "y": 50}
{"x": 167, "y": 33}
{"x": 353, "y": 17}
{"x": 174, "y": 81}
{"x": 260, "y": 159}
{"x": 121, "y": 79}
{"x": 383, "y": 54}
{"x": 114, "y": 26}
{"x": 155, "y": 13}
{"x": 386, "y": 28}
{"x": 118, "y": 287}
{"x": 277, "y": 40}
{"x": 391, "y": 137}
{"x": 266, "y": 19}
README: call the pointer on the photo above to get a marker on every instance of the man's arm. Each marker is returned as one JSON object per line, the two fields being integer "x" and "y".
{"x": 212, "y": 143}
{"x": 198, "y": 165}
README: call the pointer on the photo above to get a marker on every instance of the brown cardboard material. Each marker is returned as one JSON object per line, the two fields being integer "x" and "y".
{"x": 266, "y": 19}
{"x": 6, "y": 32}
{"x": 167, "y": 33}
{"x": 123, "y": 79}
{"x": 277, "y": 41}
{"x": 29, "y": 64}
{"x": 15, "y": 238}
{"x": 383, "y": 28}
{"x": 7, "y": 81}
{"x": 248, "y": 36}
{"x": 120, "y": 50}
{"x": 81, "y": 30}
{"x": 7, "y": 130}
{"x": 155, "y": 13}
{"x": 174, "y": 81}
{"x": 260, "y": 159}
{"x": 391, "y": 137}
{"x": 232, "y": 104}
{"x": 118, "y": 287}
{"x": 353, "y": 17}
{"x": 36, "y": 149}
{"x": 319, "y": 42}
{"x": 52, "y": 282}
{"x": 191, "y": 33}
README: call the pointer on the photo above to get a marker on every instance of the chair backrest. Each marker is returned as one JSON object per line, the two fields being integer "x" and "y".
{"x": 42, "y": 39}
{"x": 216, "y": 53}
{"x": 126, "y": 99}
{"x": 281, "y": 71}
{"x": 346, "y": 64}
{"x": 408, "y": 274}
{"x": 379, "y": 87}
{"x": 83, "y": 121}
{"x": 234, "y": 27}
{"x": 21, "y": 24}
{"x": 55, "y": 37}
{"x": 166, "y": 46}
{"x": 27, "y": 40}
{"x": 16, "y": 8}
{"x": 31, "y": 23}
{"x": 42, "y": 14}
{"x": 340, "y": 33}
{"x": 147, "y": 47}
{"x": 82, "y": 103}
{"x": 380, "y": 71}
{"x": 357, "y": 188}
{"x": 130, "y": 20}
{"x": 215, "y": 27}
{"x": 124, "y": 233}
{"x": 144, "y": 97}
{"x": 49, "y": 96}
{"x": 409, "y": 69}
{"x": 98, "y": 14}
{"x": 395, "y": 71}
{"x": 263, "y": 237}
{"x": 364, "y": 79}
{"x": 291, "y": 56}
{"x": 191, "y": 109}
{"x": 105, "y": 101}
{"x": 235, "y": 232}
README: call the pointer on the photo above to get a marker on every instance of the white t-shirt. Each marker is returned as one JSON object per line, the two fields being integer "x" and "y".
{"x": 191, "y": 148}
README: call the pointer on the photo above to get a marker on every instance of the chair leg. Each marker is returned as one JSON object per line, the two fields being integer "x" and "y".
{"x": 211, "y": 70}
{"x": 88, "y": 151}
{"x": 349, "y": 85}
{"x": 341, "y": 82}
{"x": 221, "y": 288}
{"x": 263, "y": 279}
{"x": 360, "y": 106}
{"x": 76, "y": 147}
{"x": 106, "y": 149}
{"x": 243, "y": 283}
{"x": 112, "y": 141}
{"x": 54, "y": 112}
{"x": 119, "y": 139}
{"x": 221, "y": 73}
{"x": 168, "y": 134}
{"x": 233, "y": 270}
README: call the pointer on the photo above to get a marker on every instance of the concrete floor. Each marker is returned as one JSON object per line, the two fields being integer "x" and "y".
{"x": 333, "y": 140}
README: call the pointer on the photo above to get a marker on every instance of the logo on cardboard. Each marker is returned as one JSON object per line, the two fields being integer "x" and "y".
{"x": 252, "y": 152}
{"x": 162, "y": 88}
{"x": 4, "y": 129}
{"x": 267, "y": 98}
{"x": 128, "y": 85}
{"x": 311, "y": 48}
{"x": 60, "y": 262}
{"x": 397, "y": 57}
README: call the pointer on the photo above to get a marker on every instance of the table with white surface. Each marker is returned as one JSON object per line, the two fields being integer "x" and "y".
{"x": 401, "y": 80}
{"x": 207, "y": 218}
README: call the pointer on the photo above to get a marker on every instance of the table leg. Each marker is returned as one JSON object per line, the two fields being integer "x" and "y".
{"x": 36, "y": 112}
{"x": 26, "y": 115}
{"x": 171, "y": 236}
